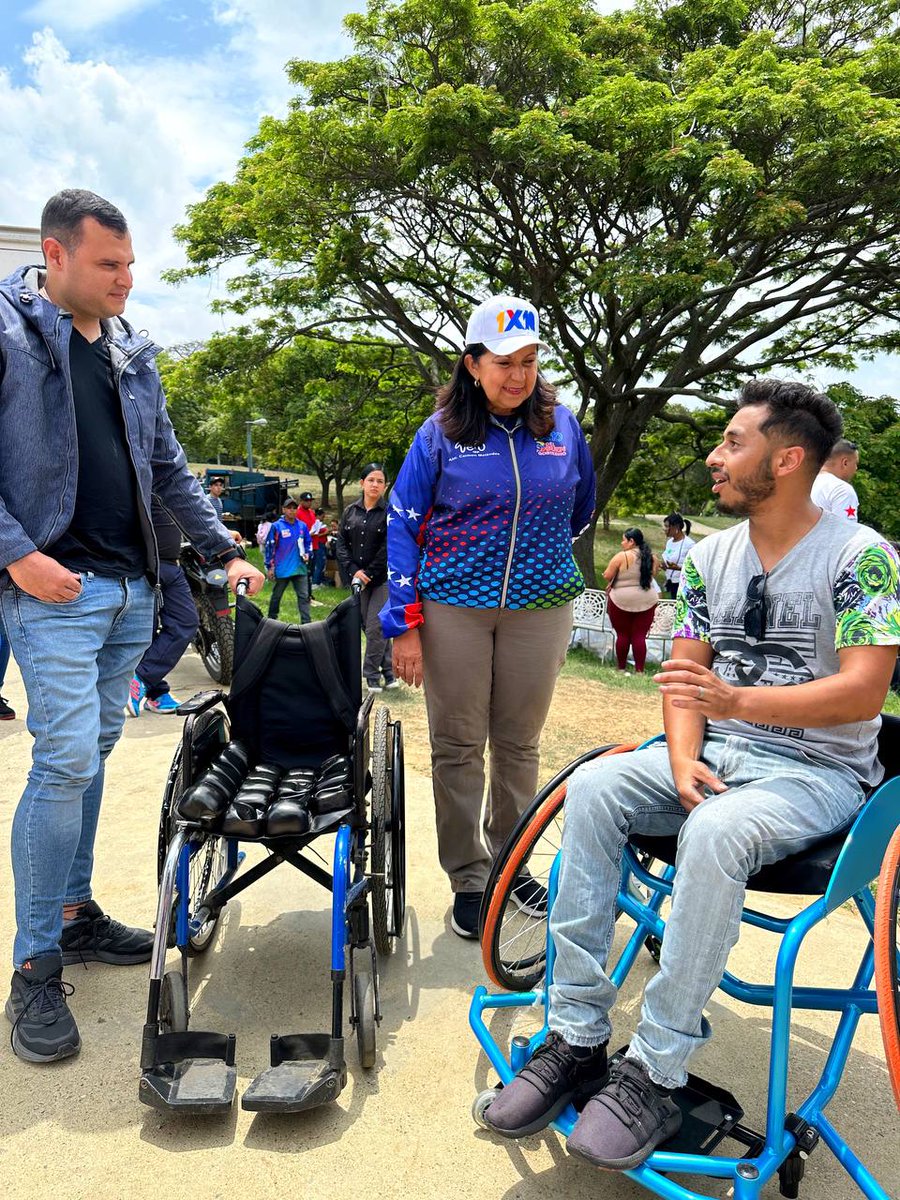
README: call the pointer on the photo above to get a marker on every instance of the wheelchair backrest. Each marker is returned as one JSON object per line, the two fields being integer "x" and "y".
{"x": 860, "y": 859}
{"x": 282, "y": 707}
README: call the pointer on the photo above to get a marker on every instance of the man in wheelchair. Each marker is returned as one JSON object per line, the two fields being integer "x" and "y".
{"x": 785, "y": 639}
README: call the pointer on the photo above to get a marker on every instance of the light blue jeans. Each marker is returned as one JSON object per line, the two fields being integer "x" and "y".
{"x": 77, "y": 659}
{"x": 777, "y": 803}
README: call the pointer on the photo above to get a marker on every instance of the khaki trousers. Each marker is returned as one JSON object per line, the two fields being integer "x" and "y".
{"x": 489, "y": 677}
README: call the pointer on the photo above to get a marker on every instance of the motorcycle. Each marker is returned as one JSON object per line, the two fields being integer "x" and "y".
{"x": 215, "y": 636}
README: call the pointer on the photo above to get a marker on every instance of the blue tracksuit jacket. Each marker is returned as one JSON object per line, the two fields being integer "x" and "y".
{"x": 487, "y": 526}
{"x": 286, "y": 544}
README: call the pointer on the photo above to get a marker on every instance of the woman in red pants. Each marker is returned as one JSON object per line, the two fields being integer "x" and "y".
{"x": 631, "y": 597}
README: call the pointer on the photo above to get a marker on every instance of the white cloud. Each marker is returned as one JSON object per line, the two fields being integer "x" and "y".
{"x": 264, "y": 34}
{"x": 64, "y": 15}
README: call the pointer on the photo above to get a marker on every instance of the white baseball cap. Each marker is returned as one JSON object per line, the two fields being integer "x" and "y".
{"x": 505, "y": 324}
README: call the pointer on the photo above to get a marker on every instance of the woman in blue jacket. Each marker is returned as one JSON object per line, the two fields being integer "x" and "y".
{"x": 481, "y": 577}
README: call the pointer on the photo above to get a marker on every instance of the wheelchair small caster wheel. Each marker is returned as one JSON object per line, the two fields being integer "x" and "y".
{"x": 480, "y": 1105}
{"x": 173, "y": 1004}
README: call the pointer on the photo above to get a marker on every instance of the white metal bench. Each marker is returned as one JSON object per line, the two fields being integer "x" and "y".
{"x": 593, "y": 631}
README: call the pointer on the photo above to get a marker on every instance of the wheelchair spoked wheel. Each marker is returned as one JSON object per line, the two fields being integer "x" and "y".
{"x": 887, "y": 967}
{"x": 513, "y": 918}
{"x": 388, "y": 841}
{"x": 398, "y": 830}
{"x": 209, "y": 852}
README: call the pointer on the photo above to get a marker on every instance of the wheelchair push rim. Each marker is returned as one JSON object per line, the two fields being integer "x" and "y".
{"x": 513, "y": 939}
{"x": 887, "y": 967}
{"x": 387, "y": 832}
{"x": 208, "y": 852}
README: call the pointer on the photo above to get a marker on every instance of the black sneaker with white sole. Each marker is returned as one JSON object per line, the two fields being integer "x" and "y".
{"x": 466, "y": 907}
{"x": 557, "y": 1074}
{"x": 94, "y": 937}
{"x": 43, "y": 1028}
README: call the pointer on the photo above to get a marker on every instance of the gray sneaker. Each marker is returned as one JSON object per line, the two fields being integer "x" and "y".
{"x": 43, "y": 1028}
{"x": 626, "y": 1121}
{"x": 551, "y": 1079}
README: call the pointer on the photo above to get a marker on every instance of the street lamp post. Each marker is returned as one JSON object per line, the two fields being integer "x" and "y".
{"x": 250, "y": 424}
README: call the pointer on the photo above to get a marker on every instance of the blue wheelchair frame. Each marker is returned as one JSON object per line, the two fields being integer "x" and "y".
{"x": 786, "y": 1133}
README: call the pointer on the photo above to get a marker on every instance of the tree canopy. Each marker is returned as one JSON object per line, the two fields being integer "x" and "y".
{"x": 691, "y": 193}
{"x": 329, "y": 408}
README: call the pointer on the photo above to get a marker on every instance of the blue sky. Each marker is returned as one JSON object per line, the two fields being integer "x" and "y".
{"x": 149, "y": 102}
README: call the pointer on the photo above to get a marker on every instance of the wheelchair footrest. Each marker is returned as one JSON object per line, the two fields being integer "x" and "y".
{"x": 307, "y": 1070}
{"x": 708, "y": 1114}
{"x": 190, "y": 1072}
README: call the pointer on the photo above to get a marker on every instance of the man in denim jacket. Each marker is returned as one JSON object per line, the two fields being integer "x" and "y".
{"x": 84, "y": 438}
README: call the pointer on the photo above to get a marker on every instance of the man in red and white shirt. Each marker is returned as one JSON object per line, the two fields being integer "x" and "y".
{"x": 831, "y": 488}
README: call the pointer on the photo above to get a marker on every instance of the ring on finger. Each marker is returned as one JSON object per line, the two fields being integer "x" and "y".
{"x": 700, "y": 692}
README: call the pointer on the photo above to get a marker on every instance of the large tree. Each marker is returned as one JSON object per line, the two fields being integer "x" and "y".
{"x": 690, "y": 193}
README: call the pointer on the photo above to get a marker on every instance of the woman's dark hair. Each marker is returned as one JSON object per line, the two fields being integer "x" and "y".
{"x": 646, "y": 555}
{"x": 463, "y": 412}
{"x": 680, "y": 522}
{"x": 370, "y": 467}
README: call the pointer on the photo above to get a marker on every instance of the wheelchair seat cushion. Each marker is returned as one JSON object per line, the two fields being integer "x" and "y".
{"x": 808, "y": 872}
{"x": 804, "y": 874}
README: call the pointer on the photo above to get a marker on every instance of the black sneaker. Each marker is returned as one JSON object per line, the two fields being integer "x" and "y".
{"x": 43, "y": 1028}
{"x": 466, "y": 907}
{"x": 552, "y": 1078}
{"x": 625, "y": 1122}
{"x": 6, "y": 713}
{"x": 529, "y": 896}
{"x": 94, "y": 937}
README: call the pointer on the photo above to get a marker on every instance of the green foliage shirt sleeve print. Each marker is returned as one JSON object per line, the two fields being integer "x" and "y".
{"x": 691, "y": 608}
{"x": 867, "y": 599}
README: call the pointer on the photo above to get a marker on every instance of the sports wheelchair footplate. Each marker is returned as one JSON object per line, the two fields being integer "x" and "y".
{"x": 193, "y": 1072}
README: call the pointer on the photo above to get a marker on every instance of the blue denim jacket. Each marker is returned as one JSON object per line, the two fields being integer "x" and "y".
{"x": 38, "y": 442}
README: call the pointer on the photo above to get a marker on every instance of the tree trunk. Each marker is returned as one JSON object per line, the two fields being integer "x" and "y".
{"x": 583, "y": 549}
{"x": 324, "y": 484}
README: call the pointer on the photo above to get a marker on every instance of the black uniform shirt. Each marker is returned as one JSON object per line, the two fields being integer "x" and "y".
{"x": 105, "y": 533}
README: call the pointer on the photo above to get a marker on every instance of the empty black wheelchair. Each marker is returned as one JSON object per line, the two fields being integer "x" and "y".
{"x": 292, "y": 754}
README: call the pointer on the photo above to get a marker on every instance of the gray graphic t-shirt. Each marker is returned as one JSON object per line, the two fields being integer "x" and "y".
{"x": 838, "y": 587}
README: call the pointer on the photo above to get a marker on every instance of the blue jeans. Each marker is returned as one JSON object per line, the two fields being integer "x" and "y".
{"x": 777, "y": 803}
{"x": 317, "y": 563}
{"x": 77, "y": 659}
{"x": 4, "y": 655}
{"x": 178, "y": 623}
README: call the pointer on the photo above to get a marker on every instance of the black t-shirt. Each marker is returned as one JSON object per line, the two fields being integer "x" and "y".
{"x": 105, "y": 533}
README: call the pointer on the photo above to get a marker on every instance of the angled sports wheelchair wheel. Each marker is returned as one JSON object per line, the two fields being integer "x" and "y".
{"x": 208, "y": 852}
{"x": 887, "y": 967}
{"x": 513, "y": 918}
{"x": 388, "y": 845}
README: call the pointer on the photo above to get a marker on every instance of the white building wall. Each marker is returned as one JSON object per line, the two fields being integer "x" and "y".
{"x": 18, "y": 246}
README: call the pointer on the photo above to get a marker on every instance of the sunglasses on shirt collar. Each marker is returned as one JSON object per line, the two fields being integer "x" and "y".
{"x": 755, "y": 612}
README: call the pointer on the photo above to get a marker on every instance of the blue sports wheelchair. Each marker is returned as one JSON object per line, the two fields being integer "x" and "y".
{"x": 291, "y": 755}
{"x": 519, "y": 957}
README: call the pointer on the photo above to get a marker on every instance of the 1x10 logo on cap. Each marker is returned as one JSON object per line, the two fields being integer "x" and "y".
{"x": 504, "y": 324}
